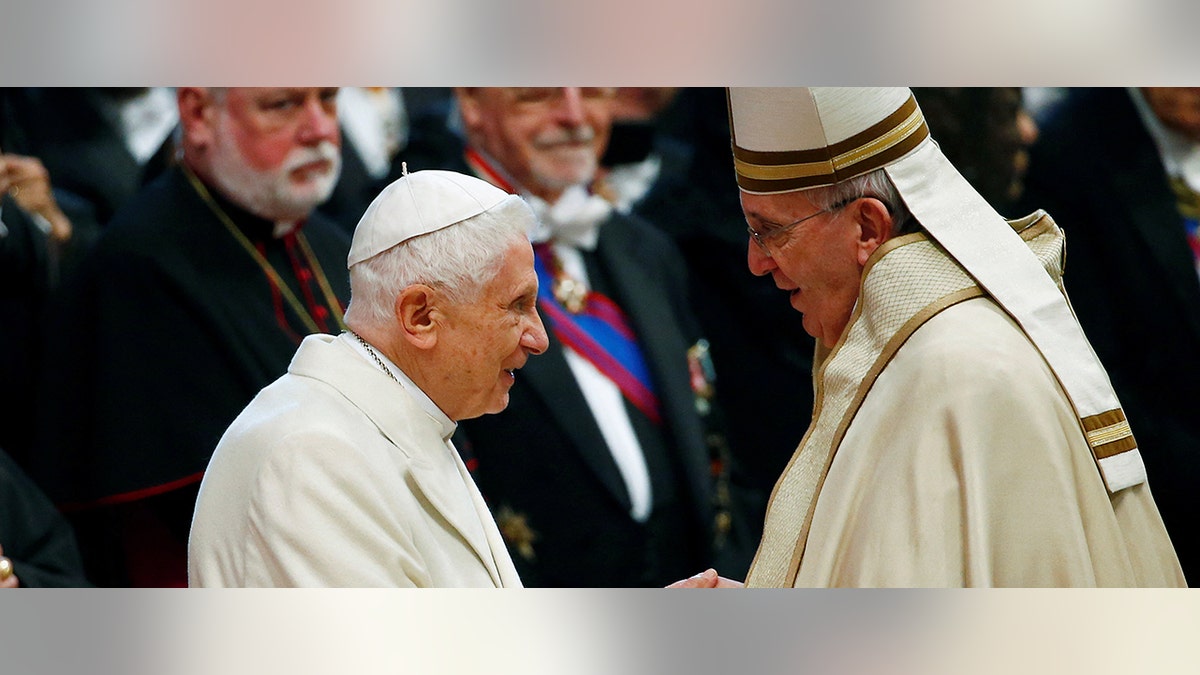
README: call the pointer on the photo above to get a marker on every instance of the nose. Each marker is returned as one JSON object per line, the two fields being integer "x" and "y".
{"x": 535, "y": 340}
{"x": 760, "y": 263}
{"x": 570, "y": 107}
{"x": 319, "y": 121}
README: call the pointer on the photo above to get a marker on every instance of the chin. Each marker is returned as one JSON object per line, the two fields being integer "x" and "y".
{"x": 794, "y": 302}
{"x": 566, "y": 171}
{"x": 311, "y": 192}
{"x": 811, "y": 327}
{"x": 495, "y": 406}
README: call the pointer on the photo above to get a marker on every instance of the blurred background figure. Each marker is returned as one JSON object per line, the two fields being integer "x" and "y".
{"x": 434, "y": 136}
{"x": 72, "y": 157}
{"x": 34, "y": 232}
{"x": 100, "y": 145}
{"x": 639, "y": 156}
{"x": 1119, "y": 170}
{"x": 194, "y": 298}
{"x": 599, "y": 472}
{"x": 374, "y": 126}
{"x": 985, "y": 132}
{"x": 37, "y": 545}
{"x": 669, "y": 162}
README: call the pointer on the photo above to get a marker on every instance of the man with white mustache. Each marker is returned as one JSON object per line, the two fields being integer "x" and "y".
{"x": 196, "y": 297}
{"x": 598, "y": 471}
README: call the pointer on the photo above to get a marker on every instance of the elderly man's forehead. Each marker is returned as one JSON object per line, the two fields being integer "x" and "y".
{"x": 772, "y": 206}
{"x": 250, "y": 94}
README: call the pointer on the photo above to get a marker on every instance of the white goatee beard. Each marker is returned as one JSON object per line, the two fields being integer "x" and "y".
{"x": 270, "y": 193}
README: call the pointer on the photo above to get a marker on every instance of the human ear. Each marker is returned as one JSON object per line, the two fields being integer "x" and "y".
{"x": 469, "y": 106}
{"x": 418, "y": 315}
{"x": 196, "y": 112}
{"x": 875, "y": 226}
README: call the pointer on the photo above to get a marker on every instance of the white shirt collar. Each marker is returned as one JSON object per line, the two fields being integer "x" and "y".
{"x": 146, "y": 121}
{"x": 448, "y": 425}
{"x": 1180, "y": 155}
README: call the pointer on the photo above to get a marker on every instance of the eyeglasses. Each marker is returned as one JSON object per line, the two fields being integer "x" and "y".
{"x": 761, "y": 238}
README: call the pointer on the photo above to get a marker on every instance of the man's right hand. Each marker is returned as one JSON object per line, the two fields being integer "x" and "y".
{"x": 707, "y": 579}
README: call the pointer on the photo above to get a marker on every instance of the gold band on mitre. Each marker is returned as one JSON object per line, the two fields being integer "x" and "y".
{"x": 774, "y": 171}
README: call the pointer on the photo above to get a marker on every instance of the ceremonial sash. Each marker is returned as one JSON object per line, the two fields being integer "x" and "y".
{"x": 1188, "y": 202}
{"x": 600, "y": 333}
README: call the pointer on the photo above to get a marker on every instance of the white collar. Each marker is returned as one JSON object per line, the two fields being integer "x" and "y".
{"x": 574, "y": 219}
{"x": 632, "y": 181}
{"x": 371, "y": 353}
{"x": 1180, "y": 155}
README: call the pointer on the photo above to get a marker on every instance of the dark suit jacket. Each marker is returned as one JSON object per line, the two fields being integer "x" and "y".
{"x": 543, "y": 464}
{"x": 70, "y": 131}
{"x": 1133, "y": 283}
{"x": 24, "y": 287}
{"x": 762, "y": 355}
{"x": 34, "y": 534}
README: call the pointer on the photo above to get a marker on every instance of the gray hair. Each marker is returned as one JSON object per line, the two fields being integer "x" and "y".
{"x": 458, "y": 260}
{"x": 874, "y": 184}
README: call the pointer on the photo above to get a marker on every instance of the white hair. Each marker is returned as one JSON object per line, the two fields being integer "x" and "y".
{"x": 458, "y": 260}
{"x": 874, "y": 184}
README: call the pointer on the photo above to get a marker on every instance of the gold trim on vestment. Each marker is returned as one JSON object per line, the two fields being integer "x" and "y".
{"x": 1108, "y": 433}
{"x": 787, "y": 525}
{"x": 885, "y": 357}
{"x": 847, "y": 373}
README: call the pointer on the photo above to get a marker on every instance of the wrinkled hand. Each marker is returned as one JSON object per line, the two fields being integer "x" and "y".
{"x": 707, "y": 579}
{"x": 28, "y": 182}
{"x": 10, "y": 581}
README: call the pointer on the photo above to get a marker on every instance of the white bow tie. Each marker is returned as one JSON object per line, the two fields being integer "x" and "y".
{"x": 573, "y": 220}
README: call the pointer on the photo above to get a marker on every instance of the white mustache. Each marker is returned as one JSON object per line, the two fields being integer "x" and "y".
{"x": 573, "y": 135}
{"x": 325, "y": 151}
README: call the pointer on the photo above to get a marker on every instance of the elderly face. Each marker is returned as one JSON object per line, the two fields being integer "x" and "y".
{"x": 1176, "y": 107}
{"x": 819, "y": 261}
{"x": 487, "y": 340}
{"x": 275, "y": 151}
{"x": 545, "y": 138}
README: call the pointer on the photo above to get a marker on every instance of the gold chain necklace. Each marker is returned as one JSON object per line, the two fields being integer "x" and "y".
{"x": 267, "y": 267}
{"x": 378, "y": 361}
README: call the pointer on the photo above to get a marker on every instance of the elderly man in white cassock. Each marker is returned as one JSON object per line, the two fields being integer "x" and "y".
{"x": 342, "y": 472}
{"x": 964, "y": 433}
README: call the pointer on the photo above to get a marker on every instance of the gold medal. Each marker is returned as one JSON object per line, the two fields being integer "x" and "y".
{"x": 570, "y": 293}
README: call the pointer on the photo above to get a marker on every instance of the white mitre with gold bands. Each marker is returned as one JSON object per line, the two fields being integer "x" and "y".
{"x": 787, "y": 139}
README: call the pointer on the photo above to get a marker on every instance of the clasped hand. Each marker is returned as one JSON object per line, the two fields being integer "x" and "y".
{"x": 707, "y": 579}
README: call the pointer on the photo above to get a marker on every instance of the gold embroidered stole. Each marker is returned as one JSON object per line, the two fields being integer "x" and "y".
{"x": 907, "y": 281}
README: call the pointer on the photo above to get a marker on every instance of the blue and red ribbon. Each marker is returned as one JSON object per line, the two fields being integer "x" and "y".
{"x": 601, "y": 334}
